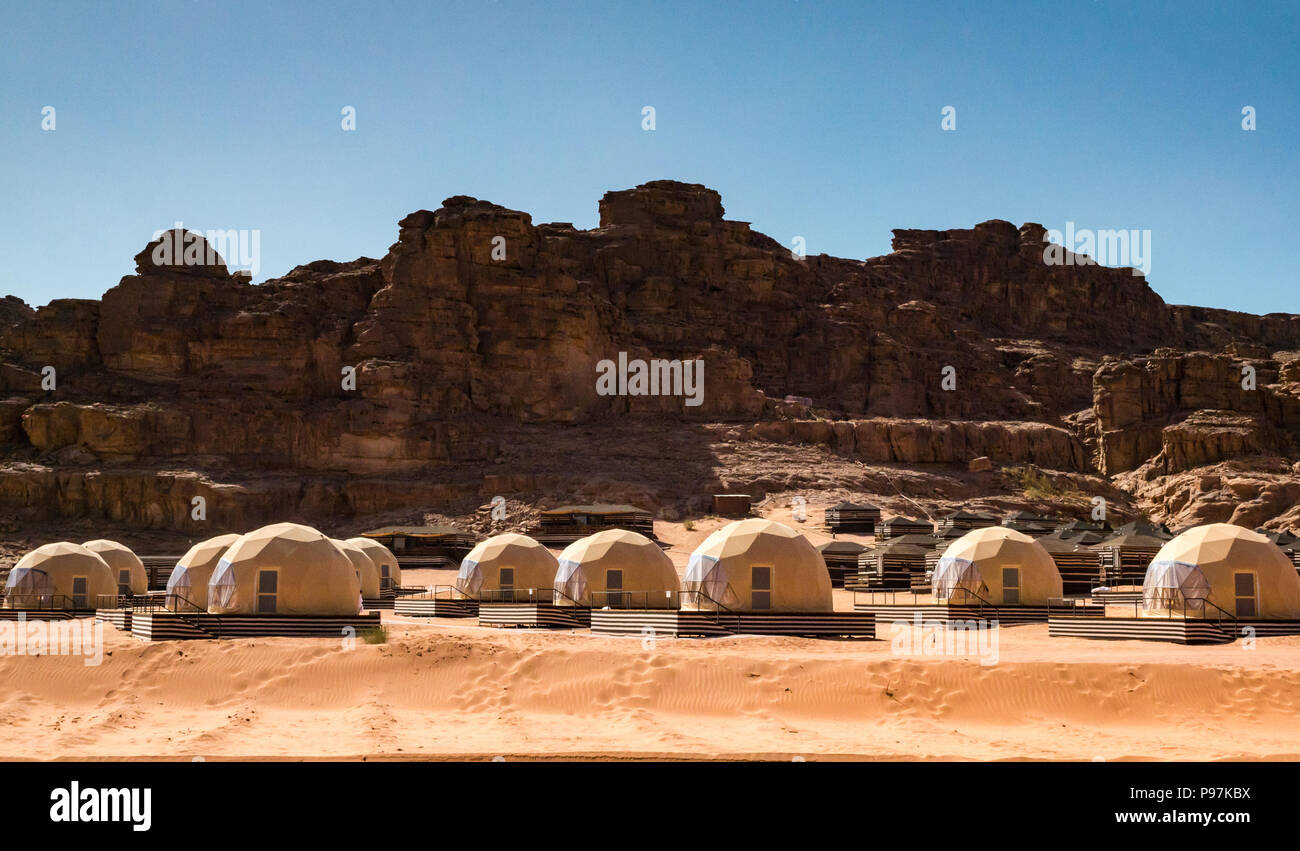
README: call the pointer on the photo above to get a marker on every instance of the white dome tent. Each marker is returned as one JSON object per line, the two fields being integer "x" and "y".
{"x": 1222, "y": 568}
{"x": 61, "y": 575}
{"x": 616, "y": 568}
{"x": 390, "y": 571}
{"x": 367, "y": 570}
{"x": 284, "y": 568}
{"x": 757, "y": 565}
{"x": 132, "y": 579}
{"x": 187, "y": 586}
{"x": 998, "y": 566}
{"x": 507, "y": 567}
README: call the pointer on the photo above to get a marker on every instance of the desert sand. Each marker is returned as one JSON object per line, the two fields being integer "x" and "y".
{"x": 449, "y": 689}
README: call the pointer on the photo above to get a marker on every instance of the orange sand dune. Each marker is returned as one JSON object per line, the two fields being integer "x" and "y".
{"x": 452, "y": 689}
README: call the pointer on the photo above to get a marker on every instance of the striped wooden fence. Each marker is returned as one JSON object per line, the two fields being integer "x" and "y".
{"x": 159, "y": 570}
{"x": 673, "y": 623}
{"x": 164, "y": 625}
{"x": 120, "y": 618}
{"x": 1115, "y": 597}
{"x": 385, "y": 601}
{"x": 886, "y": 613}
{"x": 44, "y": 614}
{"x": 536, "y": 615}
{"x": 1176, "y": 630}
{"x": 435, "y": 607}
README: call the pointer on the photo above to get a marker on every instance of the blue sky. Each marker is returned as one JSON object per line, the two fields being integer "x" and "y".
{"x": 816, "y": 119}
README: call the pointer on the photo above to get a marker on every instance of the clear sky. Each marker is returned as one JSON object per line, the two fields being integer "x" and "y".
{"x": 814, "y": 119}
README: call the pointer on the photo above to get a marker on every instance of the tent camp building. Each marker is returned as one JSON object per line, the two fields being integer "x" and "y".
{"x": 1210, "y": 584}
{"x": 59, "y": 577}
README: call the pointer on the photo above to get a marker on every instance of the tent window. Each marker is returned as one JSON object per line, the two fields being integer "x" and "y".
{"x": 507, "y": 578}
{"x": 1243, "y": 586}
{"x": 124, "y": 583}
{"x": 268, "y": 583}
{"x": 79, "y": 584}
{"x": 760, "y": 586}
{"x": 385, "y": 579}
{"x": 1011, "y": 585}
{"x": 614, "y": 585}
{"x": 399, "y": 544}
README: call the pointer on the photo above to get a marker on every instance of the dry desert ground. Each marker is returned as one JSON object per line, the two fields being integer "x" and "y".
{"x": 448, "y": 688}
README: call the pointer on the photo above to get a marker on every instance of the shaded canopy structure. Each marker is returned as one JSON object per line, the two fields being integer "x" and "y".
{"x": 284, "y": 569}
{"x": 616, "y": 568}
{"x": 61, "y": 575}
{"x": 1222, "y": 567}
{"x": 507, "y": 567}
{"x": 187, "y": 586}
{"x": 1079, "y": 566}
{"x": 757, "y": 565}
{"x": 367, "y": 570}
{"x": 132, "y": 578}
{"x": 841, "y": 558}
{"x": 996, "y": 565}
{"x": 390, "y": 571}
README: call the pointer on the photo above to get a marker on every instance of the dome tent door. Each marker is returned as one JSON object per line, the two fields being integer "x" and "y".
{"x": 1244, "y": 594}
{"x": 1011, "y": 586}
{"x": 760, "y": 587}
{"x": 268, "y": 583}
{"x": 614, "y": 588}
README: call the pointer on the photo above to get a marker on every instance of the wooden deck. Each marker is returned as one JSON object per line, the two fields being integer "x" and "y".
{"x": 1117, "y": 596}
{"x": 675, "y": 623}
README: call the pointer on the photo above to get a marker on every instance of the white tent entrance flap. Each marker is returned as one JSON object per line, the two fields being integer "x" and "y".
{"x": 1175, "y": 585}
{"x": 954, "y": 575}
{"x": 469, "y": 579}
{"x": 705, "y": 576}
{"x": 221, "y": 590}
{"x": 27, "y": 585}
{"x": 178, "y": 585}
{"x": 570, "y": 580}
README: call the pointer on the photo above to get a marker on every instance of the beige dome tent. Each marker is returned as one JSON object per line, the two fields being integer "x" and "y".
{"x": 284, "y": 569}
{"x": 1221, "y": 566}
{"x": 616, "y": 568}
{"x": 187, "y": 587}
{"x": 757, "y": 565}
{"x": 367, "y": 570}
{"x": 390, "y": 572}
{"x": 507, "y": 567}
{"x": 996, "y": 565}
{"x": 59, "y": 576}
{"x": 132, "y": 579}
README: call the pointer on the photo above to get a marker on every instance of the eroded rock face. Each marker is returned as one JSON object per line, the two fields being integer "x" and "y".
{"x": 1179, "y": 410}
{"x": 960, "y": 344}
{"x": 935, "y": 441}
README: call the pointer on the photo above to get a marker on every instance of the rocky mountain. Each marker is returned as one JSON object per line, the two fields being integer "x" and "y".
{"x": 464, "y": 364}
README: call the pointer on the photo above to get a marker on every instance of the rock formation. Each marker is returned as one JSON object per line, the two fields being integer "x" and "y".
{"x": 480, "y": 331}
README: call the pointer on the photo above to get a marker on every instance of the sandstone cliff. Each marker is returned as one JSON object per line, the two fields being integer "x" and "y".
{"x": 479, "y": 332}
